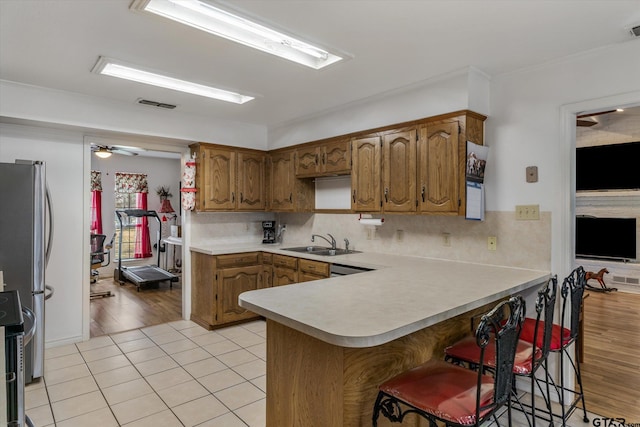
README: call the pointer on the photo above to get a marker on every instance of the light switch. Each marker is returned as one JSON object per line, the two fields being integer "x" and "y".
{"x": 532, "y": 174}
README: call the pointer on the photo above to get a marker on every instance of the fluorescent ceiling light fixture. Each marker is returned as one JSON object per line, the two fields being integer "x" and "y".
{"x": 111, "y": 67}
{"x": 206, "y": 17}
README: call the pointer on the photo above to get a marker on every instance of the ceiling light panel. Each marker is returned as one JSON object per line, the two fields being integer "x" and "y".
{"x": 212, "y": 19}
{"x": 115, "y": 68}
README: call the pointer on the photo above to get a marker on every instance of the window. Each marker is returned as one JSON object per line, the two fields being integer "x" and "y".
{"x": 131, "y": 191}
{"x": 125, "y": 201}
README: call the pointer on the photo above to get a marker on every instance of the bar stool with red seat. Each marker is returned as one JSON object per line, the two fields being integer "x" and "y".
{"x": 529, "y": 358}
{"x": 572, "y": 291}
{"x": 437, "y": 390}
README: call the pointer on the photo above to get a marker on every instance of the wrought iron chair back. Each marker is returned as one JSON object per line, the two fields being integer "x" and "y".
{"x": 505, "y": 327}
{"x": 572, "y": 293}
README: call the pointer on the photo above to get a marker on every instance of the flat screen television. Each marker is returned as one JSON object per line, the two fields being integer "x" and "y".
{"x": 608, "y": 167}
{"x": 606, "y": 238}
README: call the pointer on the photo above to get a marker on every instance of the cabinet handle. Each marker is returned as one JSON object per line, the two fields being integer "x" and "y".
{"x": 354, "y": 196}
{"x": 386, "y": 195}
{"x": 241, "y": 197}
{"x": 233, "y": 197}
{"x": 316, "y": 160}
{"x": 423, "y": 193}
{"x": 290, "y": 197}
{"x": 324, "y": 158}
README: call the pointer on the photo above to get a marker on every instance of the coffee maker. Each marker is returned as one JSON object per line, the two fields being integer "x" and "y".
{"x": 268, "y": 231}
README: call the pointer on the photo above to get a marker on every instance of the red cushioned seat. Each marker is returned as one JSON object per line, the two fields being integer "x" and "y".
{"x": 529, "y": 327}
{"x": 442, "y": 389}
{"x": 467, "y": 350}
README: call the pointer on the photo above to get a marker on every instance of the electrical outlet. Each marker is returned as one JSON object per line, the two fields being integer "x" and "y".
{"x": 492, "y": 243}
{"x": 528, "y": 212}
{"x": 369, "y": 233}
{"x": 446, "y": 239}
{"x": 399, "y": 235}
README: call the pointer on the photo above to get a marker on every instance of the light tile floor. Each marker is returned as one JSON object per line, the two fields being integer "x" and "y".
{"x": 174, "y": 374}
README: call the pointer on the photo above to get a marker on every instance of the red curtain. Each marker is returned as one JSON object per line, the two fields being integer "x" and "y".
{"x": 96, "y": 202}
{"x": 143, "y": 240}
{"x": 96, "y": 212}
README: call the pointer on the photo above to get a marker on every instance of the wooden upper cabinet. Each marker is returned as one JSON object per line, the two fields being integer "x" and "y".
{"x": 307, "y": 161}
{"x": 324, "y": 159}
{"x": 286, "y": 192}
{"x": 439, "y": 171}
{"x": 229, "y": 179}
{"x": 335, "y": 157}
{"x": 217, "y": 171}
{"x": 365, "y": 174}
{"x": 282, "y": 181}
{"x": 399, "y": 171}
{"x": 251, "y": 181}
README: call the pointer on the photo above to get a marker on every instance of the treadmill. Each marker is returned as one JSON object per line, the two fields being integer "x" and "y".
{"x": 141, "y": 275}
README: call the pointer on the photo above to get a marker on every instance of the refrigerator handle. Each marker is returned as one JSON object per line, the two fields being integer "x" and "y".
{"x": 51, "y": 291}
{"x": 50, "y": 228}
{"x": 26, "y": 312}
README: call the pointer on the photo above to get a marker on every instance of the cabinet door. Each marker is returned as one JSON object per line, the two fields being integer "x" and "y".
{"x": 365, "y": 174}
{"x": 284, "y": 276}
{"x": 203, "y": 289}
{"x": 335, "y": 158}
{"x": 282, "y": 181}
{"x": 438, "y": 168}
{"x": 218, "y": 179}
{"x": 231, "y": 283}
{"x": 399, "y": 166}
{"x": 307, "y": 161}
{"x": 251, "y": 181}
{"x": 309, "y": 270}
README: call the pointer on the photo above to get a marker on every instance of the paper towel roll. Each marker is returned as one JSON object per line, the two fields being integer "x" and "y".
{"x": 371, "y": 221}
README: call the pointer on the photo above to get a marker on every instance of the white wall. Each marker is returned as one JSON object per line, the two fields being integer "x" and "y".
{"x": 528, "y": 126}
{"x": 66, "y": 163}
{"x": 437, "y": 96}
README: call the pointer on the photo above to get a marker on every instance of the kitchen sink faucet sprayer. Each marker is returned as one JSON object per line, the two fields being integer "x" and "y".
{"x": 332, "y": 242}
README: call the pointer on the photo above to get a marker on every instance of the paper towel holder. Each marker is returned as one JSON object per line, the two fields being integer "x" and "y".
{"x": 369, "y": 220}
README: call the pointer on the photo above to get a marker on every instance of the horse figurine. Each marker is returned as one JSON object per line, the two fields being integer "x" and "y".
{"x": 599, "y": 276}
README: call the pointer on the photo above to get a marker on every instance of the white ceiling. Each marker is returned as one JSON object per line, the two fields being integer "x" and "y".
{"x": 55, "y": 44}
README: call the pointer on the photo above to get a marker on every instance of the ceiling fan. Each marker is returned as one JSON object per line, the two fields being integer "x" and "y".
{"x": 105, "y": 151}
{"x": 591, "y": 121}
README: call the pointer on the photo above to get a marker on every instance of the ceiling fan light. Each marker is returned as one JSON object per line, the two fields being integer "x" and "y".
{"x": 103, "y": 153}
{"x": 217, "y": 21}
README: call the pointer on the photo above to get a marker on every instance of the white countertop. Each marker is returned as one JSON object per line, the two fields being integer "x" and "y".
{"x": 403, "y": 295}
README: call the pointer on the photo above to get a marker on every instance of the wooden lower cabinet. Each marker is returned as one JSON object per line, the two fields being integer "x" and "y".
{"x": 309, "y": 270}
{"x": 216, "y": 283}
{"x": 218, "y": 280}
{"x": 231, "y": 283}
{"x": 203, "y": 289}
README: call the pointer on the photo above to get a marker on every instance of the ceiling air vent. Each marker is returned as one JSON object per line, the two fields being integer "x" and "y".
{"x": 635, "y": 31}
{"x": 156, "y": 104}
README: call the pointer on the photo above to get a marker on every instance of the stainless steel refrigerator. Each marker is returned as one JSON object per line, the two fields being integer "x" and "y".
{"x": 26, "y": 234}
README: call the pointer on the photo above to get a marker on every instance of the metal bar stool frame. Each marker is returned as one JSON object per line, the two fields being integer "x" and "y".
{"x": 506, "y": 330}
{"x": 529, "y": 358}
{"x": 572, "y": 292}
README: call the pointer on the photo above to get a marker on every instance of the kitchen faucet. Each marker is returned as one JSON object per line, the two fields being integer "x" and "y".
{"x": 332, "y": 242}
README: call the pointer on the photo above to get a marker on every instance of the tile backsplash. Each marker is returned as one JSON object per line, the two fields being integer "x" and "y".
{"x": 524, "y": 244}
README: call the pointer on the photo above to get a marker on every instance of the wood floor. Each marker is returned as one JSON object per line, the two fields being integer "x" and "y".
{"x": 130, "y": 309}
{"x": 611, "y": 370}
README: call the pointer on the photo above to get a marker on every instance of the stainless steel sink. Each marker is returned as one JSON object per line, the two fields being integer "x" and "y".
{"x": 320, "y": 250}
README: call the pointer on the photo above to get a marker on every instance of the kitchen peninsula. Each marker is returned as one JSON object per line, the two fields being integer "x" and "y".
{"x": 330, "y": 342}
